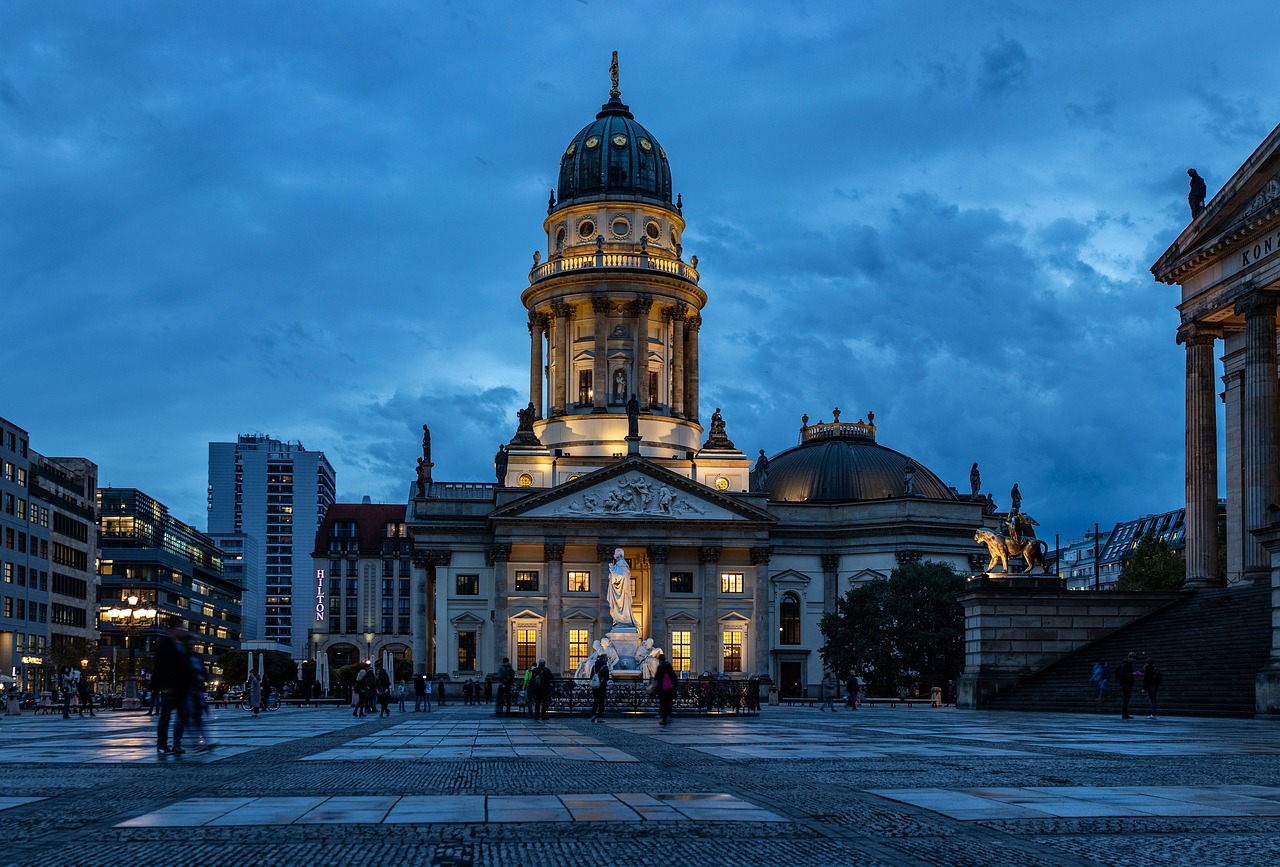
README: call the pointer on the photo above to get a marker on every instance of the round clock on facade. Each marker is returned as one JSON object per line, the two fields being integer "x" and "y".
{"x": 526, "y": 480}
{"x": 722, "y": 483}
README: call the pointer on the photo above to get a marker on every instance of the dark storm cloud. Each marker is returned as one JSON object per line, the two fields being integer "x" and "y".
{"x": 315, "y": 221}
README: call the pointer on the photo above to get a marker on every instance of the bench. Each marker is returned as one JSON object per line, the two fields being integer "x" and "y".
{"x": 894, "y": 702}
{"x": 792, "y": 701}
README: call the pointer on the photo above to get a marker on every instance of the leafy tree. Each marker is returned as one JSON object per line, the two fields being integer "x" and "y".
{"x": 278, "y": 666}
{"x": 899, "y": 632}
{"x": 1153, "y": 566}
{"x": 345, "y": 677}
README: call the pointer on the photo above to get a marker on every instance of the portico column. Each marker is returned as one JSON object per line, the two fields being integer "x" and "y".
{"x": 659, "y": 582}
{"x": 496, "y": 556}
{"x": 421, "y": 597}
{"x": 560, "y": 356}
{"x": 709, "y": 560}
{"x": 537, "y": 323}
{"x": 640, "y": 350}
{"x": 1201, "y": 455}
{"x": 553, "y": 566}
{"x": 830, "y": 583}
{"x": 676, "y": 315}
{"x": 599, "y": 359}
{"x": 692, "y": 325}
{"x": 760, "y": 557}
{"x": 1261, "y": 396}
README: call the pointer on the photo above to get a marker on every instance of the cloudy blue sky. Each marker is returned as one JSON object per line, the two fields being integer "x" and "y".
{"x": 314, "y": 220}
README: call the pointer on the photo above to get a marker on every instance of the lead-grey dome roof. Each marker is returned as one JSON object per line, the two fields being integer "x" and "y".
{"x": 614, "y": 157}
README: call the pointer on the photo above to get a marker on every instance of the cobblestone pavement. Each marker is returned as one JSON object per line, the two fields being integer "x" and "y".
{"x": 881, "y": 786}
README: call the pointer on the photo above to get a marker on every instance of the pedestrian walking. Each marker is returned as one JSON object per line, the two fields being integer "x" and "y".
{"x": 599, "y": 684}
{"x": 382, "y": 681}
{"x": 527, "y": 689}
{"x": 468, "y": 691}
{"x": 1152, "y": 678}
{"x": 254, "y": 692}
{"x": 1124, "y": 674}
{"x": 67, "y": 685}
{"x": 851, "y": 692}
{"x": 1100, "y": 678}
{"x": 506, "y": 682}
{"x": 828, "y": 692}
{"x": 84, "y": 693}
{"x": 439, "y": 693}
{"x": 666, "y": 682}
{"x": 172, "y": 678}
{"x": 358, "y": 692}
{"x": 419, "y": 692}
{"x": 400, "y": 694}
{"x": 426, "y": 693}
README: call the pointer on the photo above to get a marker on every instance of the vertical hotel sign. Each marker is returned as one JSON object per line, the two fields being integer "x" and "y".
{"x": 319, "y": 596}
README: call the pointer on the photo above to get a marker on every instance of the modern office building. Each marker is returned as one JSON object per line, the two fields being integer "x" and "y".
{"x": 24, "y": 564}
{"x": 362, "y": 599}
{"x": 68, "y": 488}
{"x": 240, "y": 562}
{"x": 148, "y": 553}
{"x": 276, "y": 493}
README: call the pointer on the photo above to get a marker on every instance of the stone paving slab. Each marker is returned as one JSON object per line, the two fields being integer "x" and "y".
{"x": 1091, "y": 801}
{"x": 442, "y": 738}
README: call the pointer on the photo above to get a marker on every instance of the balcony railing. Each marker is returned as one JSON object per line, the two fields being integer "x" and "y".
{"x": 629, "y": 261}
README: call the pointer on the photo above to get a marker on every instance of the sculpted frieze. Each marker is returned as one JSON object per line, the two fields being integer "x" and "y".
{"x": 635, "y": 496}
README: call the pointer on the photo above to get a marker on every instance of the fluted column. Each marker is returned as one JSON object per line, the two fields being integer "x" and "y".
{"x": 553, "y": 568}
{"x": 676, "y": 315}
{"x": 537, "y": 324}
{"x": 1201, "y": 455}
{"x": 420, "y": 600}
{"x": 1261, "y": 396}
{"x": 691, "y": 328}
{"x": 640, "y": 349}
{"x": 560, "y": 356}
{"x": 760, "y": 557}
{"x": 600, "y": 355}
{"x": 659, "y": 584}
{"x": 830, "y": 583}
{"x": 709, "y": 578}
{"x": 496, "y": 556}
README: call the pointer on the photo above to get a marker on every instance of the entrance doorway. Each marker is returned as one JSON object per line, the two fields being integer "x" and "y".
{"x": 790, "y": 673}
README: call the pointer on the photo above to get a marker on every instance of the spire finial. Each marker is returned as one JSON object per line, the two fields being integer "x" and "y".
{"x": 613, "y": 77}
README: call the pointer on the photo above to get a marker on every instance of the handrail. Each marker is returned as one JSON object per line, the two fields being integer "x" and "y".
{"x": 636, "y": 261}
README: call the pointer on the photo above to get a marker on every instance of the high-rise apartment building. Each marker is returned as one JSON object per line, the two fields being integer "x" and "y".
{"x": 68, "y": 488}
{"x": 24, "y": 564}
{"x": 277, "y": 493}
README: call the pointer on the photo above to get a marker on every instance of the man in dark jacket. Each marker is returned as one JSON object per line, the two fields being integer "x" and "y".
{"x": 506, "y": 680}
{"x": 599, "y": 686}
{"x": 666, "y": 682}
{"x": 173, "y": 679}
{"x": 1124, "y": 675}
{"x": 541, "y": 685}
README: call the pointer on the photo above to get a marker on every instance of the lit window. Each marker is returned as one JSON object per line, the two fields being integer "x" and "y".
{"x": 527, "y": 580}
{"x": 731, "y": 582}
{"x": 577, "y": 647}
{"x": 680, "y": 657}
{"x": 466, "y": 651}
{"x": 526, "y": 648}
{"x": 681, "y": 582}
{"x": 732, "y": 650}
{"x": 579, "y": 582}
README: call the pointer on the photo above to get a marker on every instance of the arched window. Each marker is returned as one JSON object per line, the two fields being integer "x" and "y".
{"x": 789, "y": 619}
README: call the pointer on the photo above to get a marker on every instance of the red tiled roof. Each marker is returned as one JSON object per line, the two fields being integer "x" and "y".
{"x": 370, "y": 519}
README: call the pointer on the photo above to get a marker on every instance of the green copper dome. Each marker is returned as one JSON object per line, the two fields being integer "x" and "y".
{"x": 614, "y": 158}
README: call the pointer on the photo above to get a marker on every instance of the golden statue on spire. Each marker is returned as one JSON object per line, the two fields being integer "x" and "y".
{"x": 613, "y": 76}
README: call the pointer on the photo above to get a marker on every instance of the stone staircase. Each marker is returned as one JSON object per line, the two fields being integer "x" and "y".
{"x": 1209, "y": 644}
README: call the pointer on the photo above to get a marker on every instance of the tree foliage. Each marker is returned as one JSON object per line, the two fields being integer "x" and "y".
{"x": 1153, "y": 566}
{"x": 278, "y": 667}
{"x": 896, "y": 633}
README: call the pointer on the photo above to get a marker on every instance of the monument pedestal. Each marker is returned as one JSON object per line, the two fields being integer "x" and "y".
{"x": 626, "y": 642}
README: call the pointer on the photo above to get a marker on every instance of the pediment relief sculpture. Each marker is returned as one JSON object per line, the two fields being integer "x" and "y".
{"x": 633, "y": 495}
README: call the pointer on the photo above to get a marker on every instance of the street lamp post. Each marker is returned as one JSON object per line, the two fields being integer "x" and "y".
{"x": 131, "y": 619}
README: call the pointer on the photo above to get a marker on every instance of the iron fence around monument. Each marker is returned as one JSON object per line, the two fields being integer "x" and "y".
{"x": 693, "y": 697}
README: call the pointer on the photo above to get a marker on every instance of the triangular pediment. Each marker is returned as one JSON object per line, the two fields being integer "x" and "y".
{"x": 576, "y": 614}
{"x": 467, "y": 620}
{"x": 1247, "y": 205}
{"x": 864, "y": 576}
{"x": 633, "y": 489}
{"x": 790, "y": 578}
{"x": 682, "y": 618}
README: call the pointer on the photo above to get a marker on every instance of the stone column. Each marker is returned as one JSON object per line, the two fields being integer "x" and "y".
{"x": 676, "y": 316}
{"x": 423, "y": 585}
{"x": 659, "y": 584}
{"x": 640, "y": 349}
{"x": 496, "y": 556}
{"x": 600, "y": 383}
{"x": 709, "y": 579}
{"x": 830, "y": 582}
{"x": 760, "y": 557}
{"x": 553, "y": 568}
{"x": 560, "y": 358}
{"x": 604, "y": 623}
{"x": 1201, "y": 455}
{"x": 537, "y": 324}
{"x": 1261, "y": 397}
{"x": 692, "y": 325}
{"x": 1233, "y": 436}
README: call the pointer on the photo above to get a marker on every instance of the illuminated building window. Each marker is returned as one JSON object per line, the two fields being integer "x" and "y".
{"x": 527, "y": 580}
{"x": 466, "y": 651}
{"x": 680, "y": 657}
{"x": 526, "y": 648}
{"x": 577, "y": 647}
{"x": 579, "y": 582}
{"x": 731, "y": 582}
{"x": 681, "y": 582}
{"x": 584, "y": 387}
{"x": 789, "y": 619}
{"x": 732, "y": 650}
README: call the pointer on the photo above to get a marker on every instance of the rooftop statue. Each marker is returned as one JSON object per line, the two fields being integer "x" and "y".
{"x": 426, "y": 443}
{"x": 1196, "y": 197}
{"x": 717, "y": 438}
{"x": 975, "y": 480}
{"x": 909, "y": 480}
{"x": 500, "y": 461}
{"x": 1015, "y": 498}
{"x": 762, "y": 472}
{"x": 633, "y": 416}
{"x": 424, "y": 476}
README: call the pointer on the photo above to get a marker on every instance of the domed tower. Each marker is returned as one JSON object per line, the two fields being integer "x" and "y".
{"x": 614, "y": 310}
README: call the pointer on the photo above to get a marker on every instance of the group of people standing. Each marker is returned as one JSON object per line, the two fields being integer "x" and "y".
{"x": 1126, "y": 675}
{"x": 73, "y": 685}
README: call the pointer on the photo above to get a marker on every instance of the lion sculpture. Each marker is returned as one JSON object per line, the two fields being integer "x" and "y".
{"x": 1002, "y": 549}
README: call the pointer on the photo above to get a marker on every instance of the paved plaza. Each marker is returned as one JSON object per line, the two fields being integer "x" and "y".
{"x": 887, "y": 786}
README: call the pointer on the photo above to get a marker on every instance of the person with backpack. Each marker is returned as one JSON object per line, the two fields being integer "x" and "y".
{"x": 1124, "y": 674}
{"x": 599, "y": 684}
{"x": 666, "y": 683}
{"x": 506, "y": 680}
{"x": 1152, "y": 678}
{"x": 1101, "y": 677}
{"x": 358, "y": 692}
{"x": 383, "y": 682}
{"x": 541, "y": 683}
{"x": 527, "y": 689}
